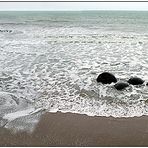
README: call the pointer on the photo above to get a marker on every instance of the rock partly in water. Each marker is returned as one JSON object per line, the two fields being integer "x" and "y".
{"x": 121, "y": 85}
{"x": 106, "y": 78}
{"x": 135, "y": 81}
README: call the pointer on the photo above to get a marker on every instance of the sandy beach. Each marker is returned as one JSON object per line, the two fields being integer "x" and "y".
{"x": 67, "y": 129}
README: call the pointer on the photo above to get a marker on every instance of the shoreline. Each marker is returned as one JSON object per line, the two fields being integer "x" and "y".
{"x": 69, "y": 129}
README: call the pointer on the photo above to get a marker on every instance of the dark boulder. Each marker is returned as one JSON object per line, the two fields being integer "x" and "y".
{"x": 147, "y": 83}
{"x": 135, "y": 81}
{"x": 121, "y": 85}
{"x": 106, "y": 78}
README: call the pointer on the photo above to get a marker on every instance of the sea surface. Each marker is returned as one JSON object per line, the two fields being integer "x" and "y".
{"x": 49, "y": 61}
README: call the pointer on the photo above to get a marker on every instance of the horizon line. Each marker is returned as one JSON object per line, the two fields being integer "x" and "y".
{"x": 73, "y": 10}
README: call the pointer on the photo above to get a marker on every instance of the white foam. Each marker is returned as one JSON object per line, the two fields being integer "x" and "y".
{"x": 18, "y": 114}
{"x": 55, "y": 68}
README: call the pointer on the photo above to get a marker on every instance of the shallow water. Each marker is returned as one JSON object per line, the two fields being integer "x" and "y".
{"x": 50, "y": 62}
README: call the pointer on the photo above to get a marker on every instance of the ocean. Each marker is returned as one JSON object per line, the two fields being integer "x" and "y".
{"x": 49, "y": 61}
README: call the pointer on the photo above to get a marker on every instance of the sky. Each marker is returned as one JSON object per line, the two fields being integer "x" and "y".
{"x": 73, "y": 6}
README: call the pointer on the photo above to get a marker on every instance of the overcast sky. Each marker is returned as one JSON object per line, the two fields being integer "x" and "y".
{"x": 54, "y": 6}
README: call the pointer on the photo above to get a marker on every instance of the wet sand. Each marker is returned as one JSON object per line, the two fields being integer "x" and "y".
{"x": 67, "y": 129}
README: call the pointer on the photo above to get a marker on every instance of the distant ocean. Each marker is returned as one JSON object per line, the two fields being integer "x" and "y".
{"x": 50, "y": 61}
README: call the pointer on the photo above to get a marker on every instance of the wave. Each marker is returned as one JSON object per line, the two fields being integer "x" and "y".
{"x": 55, "y": 69}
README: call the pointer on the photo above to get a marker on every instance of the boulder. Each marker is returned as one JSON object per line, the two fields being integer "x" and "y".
{"x": 121, "y": 85}
{"x": 106, "y": 78}
{"x": 135, "y": 81}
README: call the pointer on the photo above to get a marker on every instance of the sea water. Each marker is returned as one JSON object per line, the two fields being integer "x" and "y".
{"x": 49, "y": 62}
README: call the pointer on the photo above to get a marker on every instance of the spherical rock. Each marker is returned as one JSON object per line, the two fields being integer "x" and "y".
{"x": 135, "y": 81}
{"x": 121, "y": 85}
{"x": 106, "y": 78}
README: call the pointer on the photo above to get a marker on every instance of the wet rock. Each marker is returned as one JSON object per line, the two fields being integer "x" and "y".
{"x": 106, "y": 78}
{"x": 121, "y": 85}
{"x": 135, "y": 81}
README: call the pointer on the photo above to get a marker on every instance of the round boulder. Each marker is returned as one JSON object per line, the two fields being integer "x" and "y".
{"x": 106, "y": 78}
{"x": 121, "y": 85}
{"x": 135, "y": 81}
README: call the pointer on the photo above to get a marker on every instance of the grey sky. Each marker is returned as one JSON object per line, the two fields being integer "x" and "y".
{"x": 54, "y": 6}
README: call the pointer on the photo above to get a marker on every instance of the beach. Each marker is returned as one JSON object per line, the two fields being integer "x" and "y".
{"x": 50, "y": 62}
{"x": 67, "y": 129}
